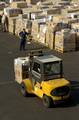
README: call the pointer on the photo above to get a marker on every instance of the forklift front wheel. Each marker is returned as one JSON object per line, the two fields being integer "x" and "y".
{"x": 23, "y": 90}
{"x": 47, "y": 101}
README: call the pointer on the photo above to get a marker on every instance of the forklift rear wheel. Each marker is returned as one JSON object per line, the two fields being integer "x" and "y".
{"x": 23, "y": 90}
{"x": 47, "y": 101}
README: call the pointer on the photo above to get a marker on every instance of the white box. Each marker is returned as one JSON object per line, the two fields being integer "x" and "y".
{"x": 21, "y": 68}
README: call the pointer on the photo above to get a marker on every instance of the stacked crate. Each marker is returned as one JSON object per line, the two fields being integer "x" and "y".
{"x": 19, "y": 4}
{"x": 57, "y": 18}
{"x": 39, "y": 30}
{"x": 42, "y": 33}
{"x": 75, "y": 27}
{"x": 19, "y": 26}
{"x": 32, "y": 1}
{"x": 65, "y": 40}
{"x": 12, "y": 25}
{"x": 35, "y": 30}
{"x": 50, "y": 35}
{"x": 22, "y": 23}
{"x": 12, "y": 12}
{"x": 51, "y": 11}
{"x": 2, "y": 5}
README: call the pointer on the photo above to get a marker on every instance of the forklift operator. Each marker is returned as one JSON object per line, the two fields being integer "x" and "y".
{"x": 23, "y": 37}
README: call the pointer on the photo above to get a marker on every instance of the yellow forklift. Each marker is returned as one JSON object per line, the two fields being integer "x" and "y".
{"x": 42, "y": 75}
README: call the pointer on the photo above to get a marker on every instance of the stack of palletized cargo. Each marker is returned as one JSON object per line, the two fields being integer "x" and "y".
{"x": 53, "y": 11}
{"x": 19, "y": 68}
{"x": 15, "y": 25}
{"x": 22, "y": 23}
{"x": 38, "y": 29}
{"x": 46, "y": 4}
{"x": 57, "y": 18}
{"x": 65, "y": 40}
{"x": 36, "y": 15}
{"x": 32, "y": 1}
{"x": 18, "y": 4}
{"x": 12, "y": 25}
{"x": 19, "y": 26}
{"x": 12, "y": 12}
{"x": 35, "y": 30}
{"x": 75, "y": 27}
{"x": 2, "y": 5}
{"x": 42, "y": 33}
{"x": 50, "y": 35}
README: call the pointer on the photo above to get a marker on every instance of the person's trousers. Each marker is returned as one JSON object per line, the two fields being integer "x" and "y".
{"x": 3, "y": 27}
{"x": 22, "y": 44}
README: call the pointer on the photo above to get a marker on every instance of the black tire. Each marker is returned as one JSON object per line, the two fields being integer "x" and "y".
{"x": 23, "y": 90}
{"x": 69, "y": 100}
{"x": 47, "y": 101}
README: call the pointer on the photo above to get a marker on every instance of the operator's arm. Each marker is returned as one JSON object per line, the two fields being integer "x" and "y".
{"x": 20, "y": 34}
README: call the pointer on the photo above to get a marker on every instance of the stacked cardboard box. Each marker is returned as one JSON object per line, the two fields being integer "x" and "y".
{"x": 47, "y": 3}
{"x": 12, "y": 12}
{"x": 50, "y": 35}
{"x": 57, "y": 18}
{"x": 75, "y": 27}
{"x": 2, "y": 5}
{"x": 38, "y": 29}
{"x": 53, "y": 11}
{"x": 12, "y": 25}
{"x": 65, "y": 40}
{"x": 36, "y": 15}
{"x": 22, "y": 23}
{"x": 35, "y": 30}
{"x": 19, "y": 68}
{"x": 32, "y": 1}
{"x": 19, "y": 4}
{"x": 10, "y": 1}
{"x": 16, "y": 24}
{"x": 42, "y": 33}
{"x": 19, "y": 26}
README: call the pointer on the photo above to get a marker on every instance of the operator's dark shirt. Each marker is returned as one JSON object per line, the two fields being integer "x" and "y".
{"x": 23, "y": 35}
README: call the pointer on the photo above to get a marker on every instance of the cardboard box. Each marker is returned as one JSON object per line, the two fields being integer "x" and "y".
{"x": 21, "y": 68}
{"x": 12, "y": 12}
{"x": 32, "y": 1}
{"x": 53, "y": 11}
{"x": 12, "y": 25}
{"x": 18, "y": 4}
{"x": 2, "y": 5}
{"x": 65, "y": 40}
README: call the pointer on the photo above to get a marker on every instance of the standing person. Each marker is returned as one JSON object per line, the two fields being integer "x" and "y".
{"x": 23, "y": 39}
{"x": 6, "y": 23}
{"x": 3, "y": 22}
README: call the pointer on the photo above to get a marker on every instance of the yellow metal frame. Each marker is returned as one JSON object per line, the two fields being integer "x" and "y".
{"x": 45, "y": 87}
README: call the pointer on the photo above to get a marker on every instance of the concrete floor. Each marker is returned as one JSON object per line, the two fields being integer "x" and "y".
{"x": 13, "y": 106}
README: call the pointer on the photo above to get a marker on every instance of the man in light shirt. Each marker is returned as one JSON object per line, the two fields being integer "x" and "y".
{"x": 4, "y": 23}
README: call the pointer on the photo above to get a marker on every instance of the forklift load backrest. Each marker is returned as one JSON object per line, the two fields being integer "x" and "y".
{"x": 35, "y": 53}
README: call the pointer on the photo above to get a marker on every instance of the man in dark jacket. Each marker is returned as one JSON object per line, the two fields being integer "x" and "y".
{"x": 23, "y": 39}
